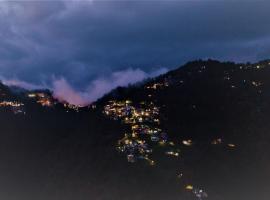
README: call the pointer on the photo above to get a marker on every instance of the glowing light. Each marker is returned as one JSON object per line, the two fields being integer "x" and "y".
{"x": 216, "y": 141}
{"x": 231, "y": 145}
{"x": 187, "y": 142}
{"x": 189, "y": 187}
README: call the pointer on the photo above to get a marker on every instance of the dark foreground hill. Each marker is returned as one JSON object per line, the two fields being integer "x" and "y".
{"x": 214, "y": 116}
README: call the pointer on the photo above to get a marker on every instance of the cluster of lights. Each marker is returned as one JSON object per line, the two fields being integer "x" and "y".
{"x": 156, "y": 86}
{"x": 199, "y": 193}
{"x": 42, "y": 98}
{"x": 187, "y": 142}
{"x": 173, "y": 153}
{"x": 123, "y": 110}
{"x": 249, "y": 67}
{"x": 144, "y": 133}
{"x": 216, "y": 141}
{"x": 256, "y": 83}
{"x": 144, "y": 130}
{"x": 72, "y": 107}
{"x": 11, "y": 103}
{"x": 15, "y": 106}
{"x": 47, "y": 101}
{"x": 219, "y": 141}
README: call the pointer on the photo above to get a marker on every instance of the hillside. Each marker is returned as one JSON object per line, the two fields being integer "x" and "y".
{"x": 197, "y": 132}
{"x": 223, "y": 108}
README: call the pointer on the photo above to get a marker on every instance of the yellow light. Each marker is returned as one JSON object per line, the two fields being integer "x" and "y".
{"x": 171, "y": 143}
{"x": 152, "y": 162}
{"x": 189, "y": 187}
{"x": 187, "y": 142}
{"x": 141, "y": 141}
{"x": 171, "y": 153}
{"x": 216, "y": 141}
{"x": 126, "y": 141}
{"x": 162, "y": 143}
{"x": 128, "y": 102}
{"x": 31, "y": 95}
{"x": 231, "y": 145}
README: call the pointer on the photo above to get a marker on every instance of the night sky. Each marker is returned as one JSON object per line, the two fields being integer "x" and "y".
{"x": 83, "y": 49}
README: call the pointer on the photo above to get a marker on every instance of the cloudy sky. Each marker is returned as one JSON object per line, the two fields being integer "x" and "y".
{"x": 85, "y": 48}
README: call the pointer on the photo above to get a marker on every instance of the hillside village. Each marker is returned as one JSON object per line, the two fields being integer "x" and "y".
{"x": 203, "y": 118}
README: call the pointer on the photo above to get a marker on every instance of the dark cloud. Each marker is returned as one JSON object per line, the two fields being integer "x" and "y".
{"x": 82, "y": 41}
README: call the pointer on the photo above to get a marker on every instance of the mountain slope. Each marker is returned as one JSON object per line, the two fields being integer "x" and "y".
{"x": 209, "y": 100}
{"x": 212, "y": 116}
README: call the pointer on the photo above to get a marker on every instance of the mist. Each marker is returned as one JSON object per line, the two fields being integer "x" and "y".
{"x": 65, "y": 92}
